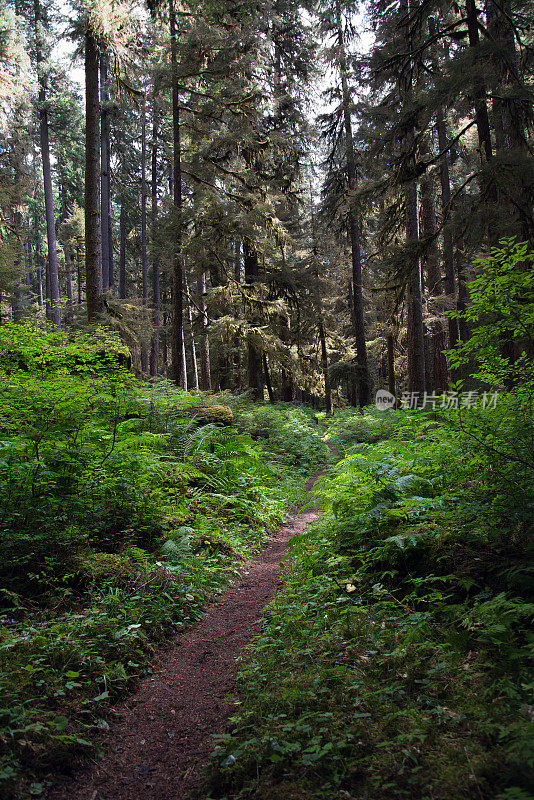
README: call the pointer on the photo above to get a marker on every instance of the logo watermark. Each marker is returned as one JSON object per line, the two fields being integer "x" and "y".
{"x": 414, "y": 401}
{"x": 384, "y": 400}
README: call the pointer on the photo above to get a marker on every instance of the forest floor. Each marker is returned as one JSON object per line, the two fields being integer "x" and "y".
{"x": 160, "y": 742}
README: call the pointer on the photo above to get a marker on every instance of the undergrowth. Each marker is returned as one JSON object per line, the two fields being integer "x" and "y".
{"x": 124, "y": 510}
{"x": 395, "y": 663}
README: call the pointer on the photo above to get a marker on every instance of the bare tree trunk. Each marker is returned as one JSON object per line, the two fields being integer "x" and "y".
{"x": 178, "y": 372}
{"x": 105, "y": 196}
{"x": 154, "y": 348}
{"x": 184, "y": 384}
{"x": 255, "y": 371}
{"x": 437, "y": 361}
{"x": 324, "y": 367}
{"x": 448, "y": 245}
{"x": 38, "y": 259}
{"x": 205, "y": 372}
{"x": 392, "y": 387}
{"x": 267, "y": 378}
{"x": 122, "y": 257}
{"x": 353, "y": 225}
{"x": 93, "y": 251}
{"x": 144, "y": 258}
{"x": 193, "y": 343}
{"x": 414, "y": 301}
{"x": 414, "y": 295}
{"x": 80, "y": 275}
{"x": 55, "y": 307}
{"x": 287, "y": 387}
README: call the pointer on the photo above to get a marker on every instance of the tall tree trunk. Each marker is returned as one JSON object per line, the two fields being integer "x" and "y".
{"x": 105, "y": 207}
{"x": 448, "y": 245}
{"x": 414, "y": 300}
{"x": 324, "y": 367}
{"x": 237, "y": 313}
{"x": 55, "y": 307}
{"x": 178, "y": 372}
{"x": 93, "y": 251}
{"x": 80, "y": 275}
{"x": 184, "y": 384}
{"x": 392, "y": 387}
{"x": 154, "y": 347}
{"x": 267, "y": 378}
{"x": 353, "y": 224}
{"x": 205, "y": 372}
{"x": 414, "y": 296}
{"x": 437, "y": 361}
{"x": 192, "y": 333}
{"x": 144, "y": 258}
{"x": 287, "y": 386}
{"x": 255, "y": 371}
{"x": 122, "y": 256}
{"x": 38, "y": 259}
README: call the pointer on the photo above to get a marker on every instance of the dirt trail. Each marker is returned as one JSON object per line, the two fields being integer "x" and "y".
{"x": 159, "y": 745}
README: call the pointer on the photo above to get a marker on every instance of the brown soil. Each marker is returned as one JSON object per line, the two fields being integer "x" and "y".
{"x": 159, "y": 745}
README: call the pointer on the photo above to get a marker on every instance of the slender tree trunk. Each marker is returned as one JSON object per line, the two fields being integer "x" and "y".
{"x": 144, "y": 257}
{"x": 93, "y": 247}
{"x": 154, "y": 349}
{"x": 205, "y": 373}
{"x": 255, "y": 371}
{"x": 185, "y": 384}
{"x": 437, "y": 362}
{"x": 122, "y": 257}
{"x": 414, "y": 301}
{"x": 237, "y": 342}
{"x": 353, "y": 225}
{"x": 324, "y": 367}
{"x": 55, "y": 307}
{"x": 392, "y": 387}
{"x": 105, "y": 213}
{"x": 80, "y": 275}
{"x": 38, "y": 260}
{"x": 287, "y": 386}
{"x": 414, "y": 292}
{"x": 448, "y": 245}
{"x": 178, "y": 372}
{"x": 48, "y": 308}
{"x": 463, "y": 294}
{"x": 193, "y": 343}
{"x": 267, "y": 379}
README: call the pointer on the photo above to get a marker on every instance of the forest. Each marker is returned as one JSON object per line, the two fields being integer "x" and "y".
{"x": 266, "y": 399}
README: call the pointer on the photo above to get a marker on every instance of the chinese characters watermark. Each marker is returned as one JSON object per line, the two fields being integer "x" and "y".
{"x": 414, "y": 401}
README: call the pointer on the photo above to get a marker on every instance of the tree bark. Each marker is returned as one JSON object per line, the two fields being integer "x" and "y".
{"x": 437, "y": 361}
{"x": 55, "y": 307}
{"x": 105, "y": 194}
{"x": 414, "y": 301}
{"x": 144, "y": 257}
{"x": 154, "y": 347}
{"x": 267, "y": 378}
{"x": 392, "y": 387}
{"x": 192, "y": 333}
{"x": 178, "y": 372}
{"x": 93, "y": 246}
{"x": 205, "y": 373}
{"x": 448, "y": 245}
{"x": 255, "y": 371}
{"x": 353, "y": 225}
{"x": 122, "y": 257}
{"x": 324, "y": 367}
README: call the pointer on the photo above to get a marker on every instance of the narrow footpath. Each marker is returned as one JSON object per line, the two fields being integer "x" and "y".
{"x": 159, "y": 745}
